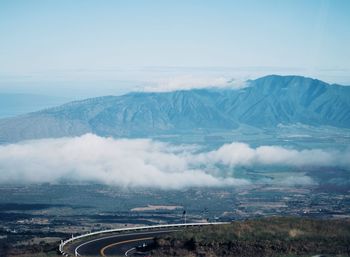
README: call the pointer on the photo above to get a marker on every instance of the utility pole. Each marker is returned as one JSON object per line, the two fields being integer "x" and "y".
{"x": 184, "y": 216}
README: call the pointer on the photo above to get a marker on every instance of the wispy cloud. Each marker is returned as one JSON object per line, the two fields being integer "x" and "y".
{"x": 146, "y": 163}
{"x": 300, "y": 180}
{"x": 193, "y": 82}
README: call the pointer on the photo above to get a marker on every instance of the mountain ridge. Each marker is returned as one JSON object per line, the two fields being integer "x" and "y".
{"x": 264, "y": 102}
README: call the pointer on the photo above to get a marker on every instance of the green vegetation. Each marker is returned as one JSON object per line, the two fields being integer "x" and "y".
{"x": 263, "y": 237}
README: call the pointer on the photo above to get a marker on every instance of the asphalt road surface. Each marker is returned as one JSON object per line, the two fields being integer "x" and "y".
{"x": 117, "y": 244}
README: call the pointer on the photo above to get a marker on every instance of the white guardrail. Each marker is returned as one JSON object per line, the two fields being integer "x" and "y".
{"x": 73, "y": 238}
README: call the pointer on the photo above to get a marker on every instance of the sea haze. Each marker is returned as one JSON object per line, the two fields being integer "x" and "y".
{"x": 12, "y": 104}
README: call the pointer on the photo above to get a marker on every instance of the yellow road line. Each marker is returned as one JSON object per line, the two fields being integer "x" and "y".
{"x": 102, "y": 251}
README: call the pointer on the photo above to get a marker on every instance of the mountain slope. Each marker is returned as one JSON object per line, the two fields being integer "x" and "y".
{"x": 289, "y": 99}
{"x": 265, "y": 102}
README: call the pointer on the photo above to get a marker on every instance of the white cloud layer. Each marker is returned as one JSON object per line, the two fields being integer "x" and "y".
{"x": 193, "y": 82}
{"x": 143, "y": 162}
{"x": 89, "y": 158}
{"x": 241, "y": 154}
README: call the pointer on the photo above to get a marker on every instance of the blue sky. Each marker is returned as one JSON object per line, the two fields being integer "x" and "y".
{"x": 73, "y": 41}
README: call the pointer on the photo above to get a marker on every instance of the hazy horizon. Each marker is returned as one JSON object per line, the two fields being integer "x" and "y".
{"x": 83, "y": 49}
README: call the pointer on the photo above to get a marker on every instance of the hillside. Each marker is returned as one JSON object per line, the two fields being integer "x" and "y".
{"x": 265, "y": 102}
{"x": 264, "y": 237}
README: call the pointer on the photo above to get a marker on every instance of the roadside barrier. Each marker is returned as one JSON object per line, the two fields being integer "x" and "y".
{"x": 130, "y": 229}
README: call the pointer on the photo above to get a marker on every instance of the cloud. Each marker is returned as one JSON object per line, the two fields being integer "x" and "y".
{"x": 241, "y": 154}
{"x": 193, "y": 82}
{"x": 301, "y": 180}
{"x": 146, "y": 163}
{"x": 90, "y": 158}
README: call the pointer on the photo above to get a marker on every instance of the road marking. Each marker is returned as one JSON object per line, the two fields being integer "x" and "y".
{"x": 120, "y": 235}
{"x": 131, "y": 249}
{"x": 102, "y": 251}
{"x": 120, "y": 230}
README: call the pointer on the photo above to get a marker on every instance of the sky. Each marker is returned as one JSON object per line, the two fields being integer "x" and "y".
{"x": 88, "y": 48}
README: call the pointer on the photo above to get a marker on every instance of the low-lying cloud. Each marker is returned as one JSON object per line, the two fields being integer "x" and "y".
{"x": 90, "y": 158}
{"x": 241, "y": 154}
{"x": 143, "y": 162}
{"x": 193, "y": 82}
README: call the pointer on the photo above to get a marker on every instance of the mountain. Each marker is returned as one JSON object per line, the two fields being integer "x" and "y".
{"x": 264, "y": 103}
{"x": 273, "y": 99}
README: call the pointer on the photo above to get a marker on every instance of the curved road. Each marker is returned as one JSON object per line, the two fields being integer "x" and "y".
{"x": 117, "y": 244}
